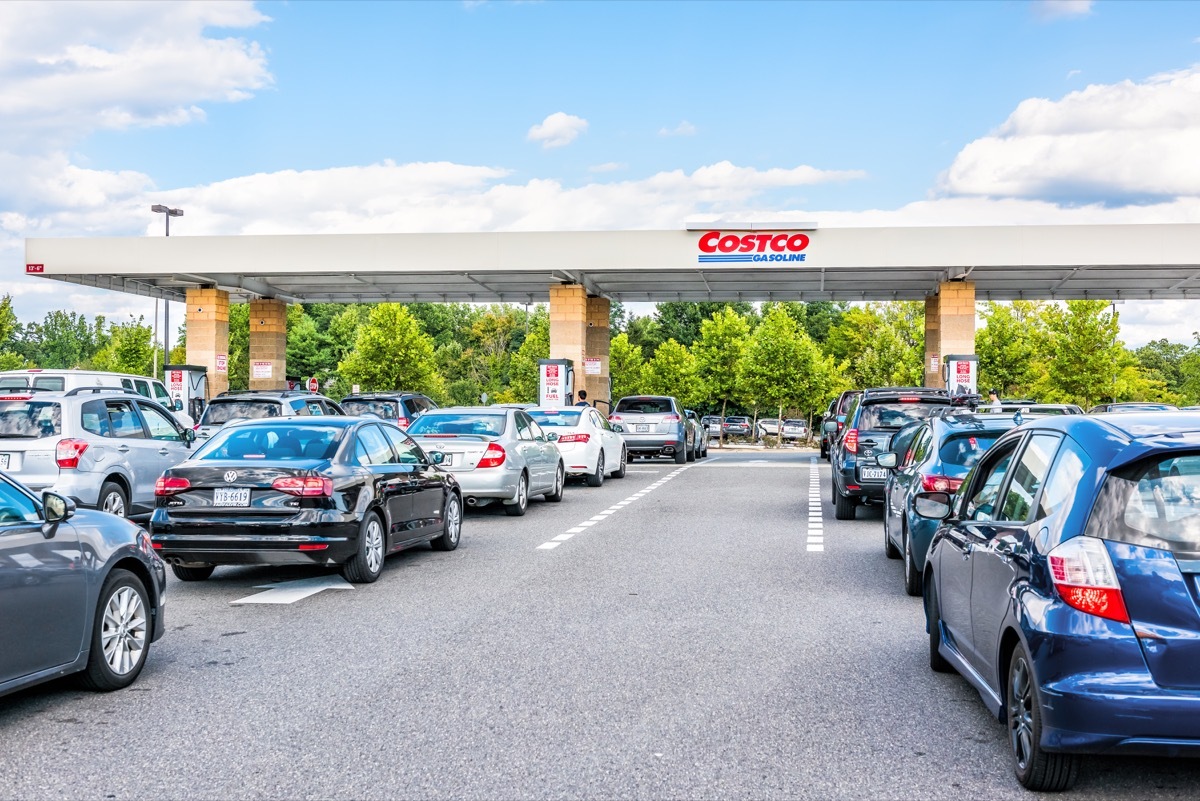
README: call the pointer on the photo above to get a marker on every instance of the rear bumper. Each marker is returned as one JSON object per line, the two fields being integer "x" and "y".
{"x": 83, "y": 488}
{"x": 654, "y": 443}
{"x": 852, "y": 486}
{"x": 488, "y": 482}
{"x": 1137, "y": 718}
{"x": 246, "y": 541}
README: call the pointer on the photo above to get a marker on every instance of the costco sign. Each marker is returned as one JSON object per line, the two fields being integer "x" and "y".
{"x": 717, "y": 246}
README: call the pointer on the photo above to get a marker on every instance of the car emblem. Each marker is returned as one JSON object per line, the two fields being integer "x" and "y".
{"x": 230, "y": 476}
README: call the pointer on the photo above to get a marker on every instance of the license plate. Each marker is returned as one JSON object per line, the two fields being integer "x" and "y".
{"x": 877, "y": 473}
{"x": 4, "y": 460}
{"x": 447, "y": 459}
{"x": 641, "y": 429}
{"x": 235, "y": 496}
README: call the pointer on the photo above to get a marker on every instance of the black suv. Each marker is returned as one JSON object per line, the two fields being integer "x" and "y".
{"x": 400, "y": 408}
{"x": 251, "y": 404}
{"x": 873, "y": 417}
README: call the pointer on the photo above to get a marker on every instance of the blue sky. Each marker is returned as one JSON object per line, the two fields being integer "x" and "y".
{"x": 322, "y": 117}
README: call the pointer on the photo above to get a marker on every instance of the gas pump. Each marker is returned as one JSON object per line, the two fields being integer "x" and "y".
{"x": 188, "y": 387}
{"x": 961, "y": 374}
{"x": 556, "y": 382}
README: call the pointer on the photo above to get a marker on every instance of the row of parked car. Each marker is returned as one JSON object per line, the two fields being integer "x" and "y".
{"x": 1058, "y": 557}
{"x": 738, "y": 426}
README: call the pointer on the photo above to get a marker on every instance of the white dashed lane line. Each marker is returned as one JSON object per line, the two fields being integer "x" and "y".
{"x": 584, "y": 525}
{"x": 816, "y": 523}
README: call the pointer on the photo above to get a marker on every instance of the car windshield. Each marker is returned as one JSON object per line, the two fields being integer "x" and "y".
{"x": 284, "y": 442}
{"x": 551, "y": 418}
{"x": 222, "y": 411}
{"x": 964, "y": 450}
{"x": 1154, "y": 503}
{"x": 476, "y": 423}
{"x": 875, "y": 416}
{"x": 645, "y": 405}
{"x": 35, "y": 419}
{"x": 383, "y": 409}
{"x": 737, "y": 419}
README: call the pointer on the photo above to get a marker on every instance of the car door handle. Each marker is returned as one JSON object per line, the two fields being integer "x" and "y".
{"x": 123, "y": 449}
{"x": 866, "y": 442}
{"x": 164, "y": 452}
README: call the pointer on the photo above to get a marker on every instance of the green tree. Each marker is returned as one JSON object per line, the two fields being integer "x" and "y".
{"x": 671, "y": 371}
{"x": 10, "y": 337}
{"x": 239, "y": 346}
{"x": 681, "y": 320}
{"x": 719, "y": 352}
{"x": 625, "y": 366}
{"x": 392, "y": 352}
{"x": 1084, "y": 353}
{"x": 1012, "y": 346}
{"x": 1162, "y": 360}
{"x": 881, "y": 344}
{"x": 129, "y": 349}
{"x": 445, "y": 322}
{"x": 645, "y": 333}
{"x": 523, "y": 384}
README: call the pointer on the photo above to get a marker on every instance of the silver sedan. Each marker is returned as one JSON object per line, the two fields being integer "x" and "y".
{"x": 495, "y": 453}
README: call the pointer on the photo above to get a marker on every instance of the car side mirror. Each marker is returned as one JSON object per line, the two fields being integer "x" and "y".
{"x": 933, "y": 505}
{"x": 888, "y": 460}
{"x": 552, "y": 436}
{"x": 437, "y": 457}
{"x": 189, "y": 435}
{"x": 177, "y": 405}
{"x": 617, "y": 427}
{"x": 56, "y": 508}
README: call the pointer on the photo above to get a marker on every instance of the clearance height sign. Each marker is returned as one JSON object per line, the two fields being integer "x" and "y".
{"x": 735, "y": 248}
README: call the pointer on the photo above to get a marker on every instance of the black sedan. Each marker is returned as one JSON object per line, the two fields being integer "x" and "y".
{"x": 326, "y": 491}
{"x": 80, "y": 592}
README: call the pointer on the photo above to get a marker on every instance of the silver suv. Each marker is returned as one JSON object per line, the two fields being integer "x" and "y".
{"x": 654, "y": 425}
{"x": 101, "y": 447}
{"x": 255, "y": 404}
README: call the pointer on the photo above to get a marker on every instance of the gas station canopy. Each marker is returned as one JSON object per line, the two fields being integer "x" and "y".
{"x": 726, "y": 262}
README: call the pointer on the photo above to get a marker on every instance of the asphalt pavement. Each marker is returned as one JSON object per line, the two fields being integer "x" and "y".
{"x": 679, "y": 633}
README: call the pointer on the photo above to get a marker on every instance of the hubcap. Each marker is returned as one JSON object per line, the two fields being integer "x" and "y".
{"x": 123, "y": 631}
{"x": 374, "y": 546}
{"x": 114, "y": 504}
{"x": 1020, "y": 713}
{"x": 453, "y": 520}
{"x": 559, "y": 478}
{"x": 522, "y": 492}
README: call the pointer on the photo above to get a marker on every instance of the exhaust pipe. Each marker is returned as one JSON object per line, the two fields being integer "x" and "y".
{"x": 471, "y": 501}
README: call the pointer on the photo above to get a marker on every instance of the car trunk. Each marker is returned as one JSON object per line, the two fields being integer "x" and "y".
{"x": 31, "y": 459}
{"x": 638, "y": 423}
{"x": 229, "y": 488}
{"x": 461, "y": 452}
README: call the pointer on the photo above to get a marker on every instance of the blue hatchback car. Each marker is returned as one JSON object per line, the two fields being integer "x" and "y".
{"x": 1064, "y": 585}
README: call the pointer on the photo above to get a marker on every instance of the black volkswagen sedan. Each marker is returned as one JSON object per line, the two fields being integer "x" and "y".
{"x": 80, "y": 592}
{"x": 330, "y": 491}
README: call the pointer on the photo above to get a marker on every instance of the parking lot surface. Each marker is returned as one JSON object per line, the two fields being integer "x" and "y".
{"x": 693, "y": 631}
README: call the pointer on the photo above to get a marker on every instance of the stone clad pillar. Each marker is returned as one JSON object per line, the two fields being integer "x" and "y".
{"x": 951, "y": 326}
{"x": 208, "y": 335}
{"x": 933, "y": 344}
{"x": 268, "y": 344}
{"x": 596, "y": 347}
{"x": 568, "y": 327}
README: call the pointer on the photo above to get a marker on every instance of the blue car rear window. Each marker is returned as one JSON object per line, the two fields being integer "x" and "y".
{"x": 1154, "y": 503}
{"x": 965, "y": 450}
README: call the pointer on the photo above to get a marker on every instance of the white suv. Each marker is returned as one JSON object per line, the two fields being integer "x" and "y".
{"x": 64, "y": 380}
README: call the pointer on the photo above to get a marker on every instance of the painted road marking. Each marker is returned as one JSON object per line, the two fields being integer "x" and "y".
{"x": 546, "y": 546}
{"x": 288, "y": 592}
{"x": 816, "y": 523}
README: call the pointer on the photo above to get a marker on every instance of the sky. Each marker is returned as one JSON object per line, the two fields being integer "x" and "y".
{"x": 373, "y": 117}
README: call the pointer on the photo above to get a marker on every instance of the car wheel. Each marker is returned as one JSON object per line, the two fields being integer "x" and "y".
{"x": 522, "y": 502}
{"x": 113, "y": 499}
{"x": 1036, "y": 769}
{"x": 120, "y": 633}
{"x": 560, "y": 479}
{"x": 933, "y": 618}
{"x": 367, "y": 563}
{"x": 681, "y": 455}
{"x": 193, "y": 573}
{"x": 843, "y": 505}
{"x": 889, "y": 549}
{"x": 597, "y": 479}
{"x": 912, "y": 577}
{"x": 691, "y": 453}
{"x": 620, "y": 471}
{"x": 451, "y": 525}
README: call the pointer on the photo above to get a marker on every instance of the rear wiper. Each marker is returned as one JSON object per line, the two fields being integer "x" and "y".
{"x": 19, "y": 436}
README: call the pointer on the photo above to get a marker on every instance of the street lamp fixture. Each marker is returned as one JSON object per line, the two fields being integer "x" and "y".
{"x": 158, "y": 208}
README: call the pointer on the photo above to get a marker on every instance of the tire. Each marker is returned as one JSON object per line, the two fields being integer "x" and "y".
{"x": 937, "y": 662}
{"x": 1036, "y": 769}
{"x": 192, "y": 573}
{"x": 451, "y": 526}
{"x": 844, "y": 506}
{"x": 597, "y": 479}
{"x": 912, "y": 577}
{"x": 367, "y": 563}
{"x": 681, "y": 455}
{"x": 517, "y": 509}
{"x": 890, "y": 550}
{"x": 691, "y": 452}
{"x": 560, "y": 479}
{"x": 620, "y": 471}
{"x": 113, "y": 499}
{"x": 121, "y": 633}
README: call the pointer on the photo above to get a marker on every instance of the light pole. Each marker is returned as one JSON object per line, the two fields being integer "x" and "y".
{"x": 167, "y": 213}
{"x": 158, "y": 208}
{"x": 1113, "y": 306}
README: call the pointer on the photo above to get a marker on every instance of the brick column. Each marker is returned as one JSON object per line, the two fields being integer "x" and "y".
{"x": 568, "y": 327}
{"x": 933, "y": 342}
{"x": 208, "y": 335}
{"x": 268, "y": 343}
{"x": 596, "y": 347}
{"x": 954, "y": 322}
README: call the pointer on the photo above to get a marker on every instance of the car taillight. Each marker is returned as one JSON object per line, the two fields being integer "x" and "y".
{"x": 402, "y": 422}
{"x": 171, "y": 485}
{"x": 16, "y": 397}
{"x": 494, "y": 456}
{"x": 614, "y": 418}
{"x": 909, "y": 399}
{"x": 852, "y": 440}
{"x": 1084, "y": 577}
{"x": 671, "y": 418}
{"x": 575, "y": 438}
{"x": 940, "y": 483}
{"x": 68, "y": 451}
{"x": 840, "y": 425}
{"x": 304, "y": 486}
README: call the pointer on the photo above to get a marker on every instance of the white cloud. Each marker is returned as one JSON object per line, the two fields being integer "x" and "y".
{"x": 609, "y": 166}
{"x": 1115, "y": 142}
{"x": 684, "y": 128}
{"x": 557, "y": 130}
{"x": 1047, "y": 10}
{"x": 1073, "y": 73}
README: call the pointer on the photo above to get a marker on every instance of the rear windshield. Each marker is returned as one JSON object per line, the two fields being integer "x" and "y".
{"x": 383, "y": 409}
{"x": 281, "y": 442}
{"x": 645, "y": 405}
{"x": 894, "y": 415}
{"x": 481, "y": 423}
{"x": 1154, "y": 504}
{"x": 965, "y": 450}
{"x": 844, "y": 404}
{"x": 740, "y": 420}
{"x": 222, "y": 411}
{"x": 32, "y": 419}
{"x": 47, "y": 383}
{"x": 566, "y": 418}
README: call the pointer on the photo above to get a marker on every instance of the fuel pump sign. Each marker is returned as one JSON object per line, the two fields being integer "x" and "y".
{"x": 961, "y": 374}
{"x": 555, "y": 379}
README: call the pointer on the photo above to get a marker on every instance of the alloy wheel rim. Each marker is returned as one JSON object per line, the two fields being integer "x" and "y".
{"x": 1020, "y": 713}
{"x": 374, "y": 546}
{"x": 453, "y": 520}
{"x": 123, "y": 631}
{"x": 522, "y": 492}
{"x": 559, "y": 478}
{"x": 114, "y": 504}
{"x": 600, "y": 466}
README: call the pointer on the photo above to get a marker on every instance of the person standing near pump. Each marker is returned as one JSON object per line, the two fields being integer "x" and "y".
{"x": 582, "y": 398}
{"x": 994, "y": 400}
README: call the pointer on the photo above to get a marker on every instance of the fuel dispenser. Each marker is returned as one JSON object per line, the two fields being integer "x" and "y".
{"x": 961, "y": 374}
{"x": 188, "y": 387}
{"x": 556, "y": 382}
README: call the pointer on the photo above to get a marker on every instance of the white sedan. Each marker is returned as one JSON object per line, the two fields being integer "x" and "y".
{"x": 589, "y": 444}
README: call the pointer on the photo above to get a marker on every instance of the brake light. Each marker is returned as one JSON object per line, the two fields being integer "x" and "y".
{"x": 304, "y": 486}
{"x": 494, "y": 456}
{"x": 852, "y": 440}
{"x": 16, "y": 397}
{"x": 1084, "y": 577}
{"x": 909, "y": 399}
{"x": 402, "y": 422}
{"x": 933, "y": 483}
{"x": 68, "y": 451}
{"x": 614, "y": 418}
{"x": 575, "y": 438}
{"x": 841, "y": 425}
{"x": 171, "y": 485}
{"x": 312, "y": 546}
{"x": 438, "y": 436}
{"x": 671, "y": 418}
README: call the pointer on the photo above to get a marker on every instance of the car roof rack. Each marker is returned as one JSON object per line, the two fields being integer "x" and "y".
{"x": 82, "y": 390}
{"x": 279, "y": 392}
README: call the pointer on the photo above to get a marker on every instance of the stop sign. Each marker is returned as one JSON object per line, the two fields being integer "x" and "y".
{"x": 313, "y": 386}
